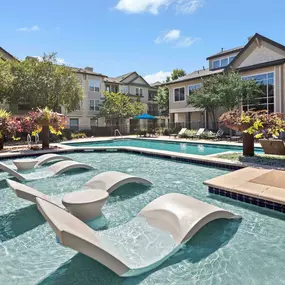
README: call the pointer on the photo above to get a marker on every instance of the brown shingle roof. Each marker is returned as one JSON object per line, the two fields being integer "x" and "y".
{"x": 196, "y": 74}
{"x": 225, "y": 52}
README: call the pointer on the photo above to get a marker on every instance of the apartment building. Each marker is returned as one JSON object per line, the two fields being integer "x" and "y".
{"x": 261, "y": 59}
{"x": 93, "y": 84}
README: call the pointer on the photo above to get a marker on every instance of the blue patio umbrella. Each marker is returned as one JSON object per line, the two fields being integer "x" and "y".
{"x": 145, "y": 117}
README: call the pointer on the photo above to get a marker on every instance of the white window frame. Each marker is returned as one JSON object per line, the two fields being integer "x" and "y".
{"x": 195, "y": 88}
{"x": 220, "y": 61}
{"x": 125, "y": 87}
{"x": 94, "y": 105}
{"x": 274, "y": 80}
{"x": 96, "y": 84}
{"x": 74, "y": 125}
{"x": 179, "y": 94}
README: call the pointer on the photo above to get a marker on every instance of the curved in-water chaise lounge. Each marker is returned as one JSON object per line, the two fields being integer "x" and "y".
{"x": 159, "y": 231}
{"x": 83, "y": 204}
{"x": 45, "y": 158}
{"x": 111, "y": 180}
{"x": 55, "y": 169}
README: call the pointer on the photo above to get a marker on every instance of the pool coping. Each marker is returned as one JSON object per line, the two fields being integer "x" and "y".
{"x": 161, "y": 139}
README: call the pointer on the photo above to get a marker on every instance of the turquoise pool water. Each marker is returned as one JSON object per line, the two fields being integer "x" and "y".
{"x": 191, "y": 148}
{"x": 247, "y": 252}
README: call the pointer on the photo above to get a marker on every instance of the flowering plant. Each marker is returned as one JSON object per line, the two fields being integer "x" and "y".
{"x": 261, "y": 124}
{"x": 35, "y": 120}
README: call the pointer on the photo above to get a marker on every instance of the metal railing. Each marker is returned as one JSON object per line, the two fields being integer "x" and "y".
{"x": 117, "y": 131}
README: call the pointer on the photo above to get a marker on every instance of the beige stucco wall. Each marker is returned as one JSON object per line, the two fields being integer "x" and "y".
{"x": 259, "y": 52}
{"x": 175, "y": 106}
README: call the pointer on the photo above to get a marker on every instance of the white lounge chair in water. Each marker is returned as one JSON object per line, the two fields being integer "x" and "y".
{"x": 111, "y": 180}
{"x": 30, "y": 163}
{"x": 84, "y": 205}
{"x": 55, "y": 169}
{"x": 159, "y": 231}
{"x": 106, "y": 181}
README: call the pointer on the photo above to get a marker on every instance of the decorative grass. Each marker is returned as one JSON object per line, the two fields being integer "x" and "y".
{"x": 260, "y": 159}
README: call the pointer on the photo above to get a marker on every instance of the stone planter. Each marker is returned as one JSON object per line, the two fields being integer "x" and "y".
{"x": 273, "y": 146}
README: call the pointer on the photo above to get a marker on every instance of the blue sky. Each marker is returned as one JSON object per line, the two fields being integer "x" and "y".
{"x": 151, "y": 37}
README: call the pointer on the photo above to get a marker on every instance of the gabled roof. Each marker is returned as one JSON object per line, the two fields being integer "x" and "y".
{"x": 124, "y": 76}
{"x": 259, "y": 37}
{"x": 196, "y": 75}
{"x": 84, "y": 71}
{"x": 226, "y": 52}
{"x": 2, "y": 50}
{"x": 155, "y": 84}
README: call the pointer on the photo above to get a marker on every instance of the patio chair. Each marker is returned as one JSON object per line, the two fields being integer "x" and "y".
{"x": 198, "y": 134}
{"x": 159, "y": 231}
{"x": 182, "y": 131}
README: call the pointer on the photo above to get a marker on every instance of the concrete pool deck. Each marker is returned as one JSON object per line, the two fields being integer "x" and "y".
{"x": 258, "y": 186}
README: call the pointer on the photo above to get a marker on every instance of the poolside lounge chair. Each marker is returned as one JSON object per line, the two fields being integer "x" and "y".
{"x": 182, "y": 131}
{"x": 276, "y": 147}
{"x": 198, "y": 134}
{"x": 55, "y": 169}
{"x": 159, "y": 231}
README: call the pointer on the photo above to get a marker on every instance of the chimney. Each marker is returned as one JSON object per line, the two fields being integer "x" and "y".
{"x": 222, "y": 49}
{"x": 88, "y": 69}
{"x": 203, "y": 67}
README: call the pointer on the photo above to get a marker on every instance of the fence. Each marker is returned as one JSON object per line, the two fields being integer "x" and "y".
{"x": 133, "y": 126}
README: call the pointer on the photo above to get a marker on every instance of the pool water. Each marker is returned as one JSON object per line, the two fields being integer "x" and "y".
{"x": 246, "y": 252}
{"x": 185, "y": 147}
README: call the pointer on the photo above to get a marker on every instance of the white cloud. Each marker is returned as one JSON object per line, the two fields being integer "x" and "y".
{"x": 169, "y": 36}
{"x": 31, "y": 29}
{"x": 189, "y": 7}
{"x": 186, "y": 41}
{"x": 153, "y": 6}
{"x": 174, "y": 37}
{"x": 159, "y": 76}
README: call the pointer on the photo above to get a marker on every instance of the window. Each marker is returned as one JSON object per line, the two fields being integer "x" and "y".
{"x": 151, "y": 95}
{"x": 125, "y": 89}
{"x": 224, "y": 62}
{"x": 94, "y": 105}
{"x": 266, "y": 100}
{"x": 231, "y": 58}
{"x": 74, "y": 124}
{"x": 216, "y": 64}
{"x": 139, "y": 91}
{"x": 194, "y": 87}
{"x": 108, "y": 88}
{"x": 93, "y": 122}
{"x": 179, "y": 94}
{"x": 94, "y": 85}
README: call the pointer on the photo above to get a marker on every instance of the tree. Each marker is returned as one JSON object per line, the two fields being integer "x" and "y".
{"x": 42, "y": 83}
{"x": 176, "y": 73}
{"x": 233, "y": 89}
{"x": 6, "y": 79}
{"x": 162, "y": 99}
{"x": 225, "y": 91}
{"x": 207, "y": 98}
{"x": 120, "y": 106}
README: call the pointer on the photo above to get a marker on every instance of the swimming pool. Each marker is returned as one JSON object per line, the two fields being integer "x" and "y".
{"x": 251, "y": 251}
{"x": 184, "y": 147}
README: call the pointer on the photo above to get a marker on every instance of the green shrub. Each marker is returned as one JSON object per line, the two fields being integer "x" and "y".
{"x": 79, "y": 136}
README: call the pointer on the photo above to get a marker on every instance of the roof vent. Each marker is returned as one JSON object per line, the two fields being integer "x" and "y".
{"x": 203, "y": 67}
{"x": 198, "y": 72}
{"x": 222, "y": 49}
{"x": 88, "y": 69}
